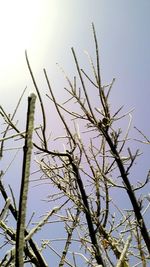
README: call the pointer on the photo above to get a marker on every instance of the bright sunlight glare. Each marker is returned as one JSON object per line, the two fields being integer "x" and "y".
{"x": 23, "y": 25}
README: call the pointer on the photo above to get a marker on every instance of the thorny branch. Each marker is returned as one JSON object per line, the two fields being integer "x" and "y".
{"x": 94, "y": 163}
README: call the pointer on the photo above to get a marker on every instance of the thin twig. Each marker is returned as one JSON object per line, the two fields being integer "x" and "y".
{"x": 40, "y": 99}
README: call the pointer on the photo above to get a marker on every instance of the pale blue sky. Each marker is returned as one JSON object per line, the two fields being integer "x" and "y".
{"x": 49, "y": 28}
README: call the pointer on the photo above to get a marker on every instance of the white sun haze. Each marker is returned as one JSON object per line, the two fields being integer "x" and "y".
{"x": 22, "y": 26}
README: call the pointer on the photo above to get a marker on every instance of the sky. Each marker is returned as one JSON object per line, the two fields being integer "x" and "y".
{"x": 48, "y": 29}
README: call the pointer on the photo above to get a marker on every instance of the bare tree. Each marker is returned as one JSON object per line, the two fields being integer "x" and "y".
{"x": 95, "y": 161}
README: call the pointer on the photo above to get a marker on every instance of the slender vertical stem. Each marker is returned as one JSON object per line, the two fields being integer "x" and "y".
{"x": 20, "y": 241}
{"x": 40, "y": 99}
